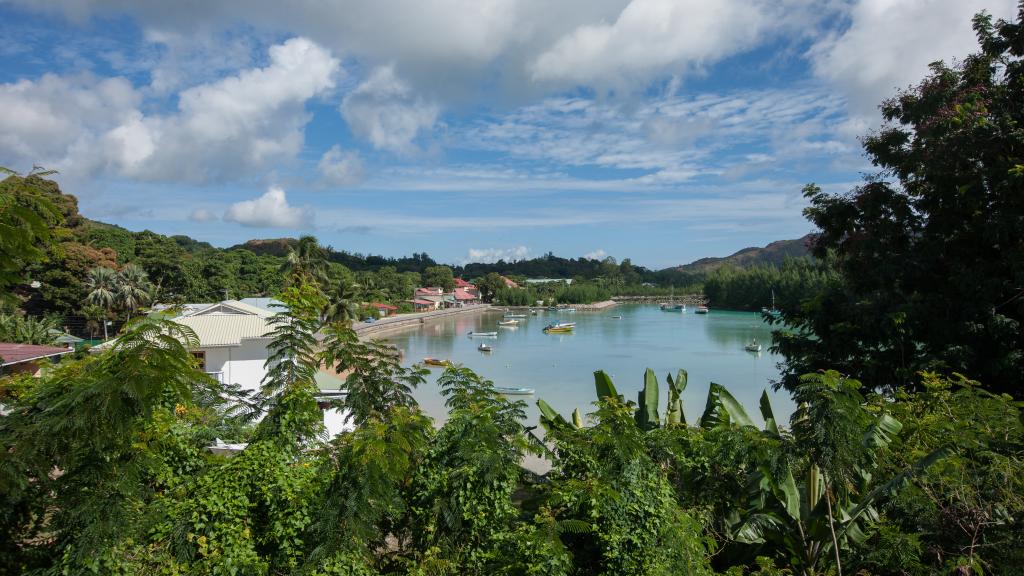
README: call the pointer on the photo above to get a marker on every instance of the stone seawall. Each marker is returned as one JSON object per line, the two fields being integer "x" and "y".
{"x": 371, "y": 330}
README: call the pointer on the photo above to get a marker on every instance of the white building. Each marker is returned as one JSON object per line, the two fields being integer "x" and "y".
{"x": 233, "y": 338}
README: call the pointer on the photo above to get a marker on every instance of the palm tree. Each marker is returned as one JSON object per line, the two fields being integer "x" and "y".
{"x": 93, "y": 315}
{"x": 102, "y": 285}
{"x": 133, "y": 288}
{"x": 341, "y": 305}
{"x": 306, "y": 259}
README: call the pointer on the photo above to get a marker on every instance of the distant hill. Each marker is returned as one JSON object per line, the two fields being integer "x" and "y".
{"x": 773, "y": 253}
{"x": 269, "y": 246}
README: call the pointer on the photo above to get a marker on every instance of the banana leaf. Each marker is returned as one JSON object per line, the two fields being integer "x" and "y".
{"x": 723, "y": 409}
{"x": 674, "y": 412}
{"x": 604, "y": 385}
{"x": 550, "y": 419}
{"x": 770, "y": 424}
{"x": 647, "y": 401}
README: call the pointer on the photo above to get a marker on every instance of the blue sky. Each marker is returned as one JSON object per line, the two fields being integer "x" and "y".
{"x": 657, "y": 130}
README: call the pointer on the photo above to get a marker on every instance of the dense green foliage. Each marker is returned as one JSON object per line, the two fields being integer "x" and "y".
{"x": 104, "y": 467}
{"x": 796, "y": 281}
{"x": 28, "y": 330}
{"x": 929, "y": 249}
{"x": 925, "y": 482}
{"x": 26, "y": 216}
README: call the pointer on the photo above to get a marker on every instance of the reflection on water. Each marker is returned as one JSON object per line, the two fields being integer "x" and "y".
{"x": 560, "y": 366}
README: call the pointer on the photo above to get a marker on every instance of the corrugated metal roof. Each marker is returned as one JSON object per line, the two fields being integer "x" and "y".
{"x": 13, "y": 353}
{"x": 231, "y": 308}
{"x": 227, "y": 329}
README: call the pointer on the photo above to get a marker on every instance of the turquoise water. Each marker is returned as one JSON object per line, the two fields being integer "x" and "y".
{"x": 560, "y": 367}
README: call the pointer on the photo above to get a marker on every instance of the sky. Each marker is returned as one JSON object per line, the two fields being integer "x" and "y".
{"x": 657, "y": 130}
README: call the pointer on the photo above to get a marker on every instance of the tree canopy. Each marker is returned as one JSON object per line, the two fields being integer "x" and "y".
{"x": 929, "y": 248}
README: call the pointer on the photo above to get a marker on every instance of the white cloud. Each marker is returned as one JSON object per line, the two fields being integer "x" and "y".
{"x": 338, "y": 167}
{"x": 651, "y": 36}
{"x": 598, "y": 254}
{"x": 269, "y": 211}
{"x": 492, "y": 255}
{"x": 222, "y": 130}
{"x": 384, "y": 110}
{"x": 889, "y": 44}
{"x": 57, "y": 121}
{"x": 202, "y": 215}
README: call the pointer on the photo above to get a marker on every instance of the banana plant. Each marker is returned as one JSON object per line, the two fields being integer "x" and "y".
{"x": 814, "y": 518}
{"x": 646, "y": 408}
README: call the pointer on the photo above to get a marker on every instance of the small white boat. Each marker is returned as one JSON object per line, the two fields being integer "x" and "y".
{"x": 513, "y": 391}
{"x": 701, "y": 310}
{"x": 485, "y": 348}
{"x": 508, "y": 322}
{"x": 616, "y": 317}
{"x": 753, "y": 346}
{"x": 568, "y": 309}
{"x": 482, "y": 334}
{"x": 515, "y": 316}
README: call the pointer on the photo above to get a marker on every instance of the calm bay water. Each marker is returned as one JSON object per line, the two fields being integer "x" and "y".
{"x": 560, "y": 367}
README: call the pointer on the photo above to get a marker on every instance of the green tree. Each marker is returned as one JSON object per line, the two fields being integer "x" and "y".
{"x": 307, "y": 259}
{"x": 929, "y": 248}
{"x": 439, "y": 276}
{"x": 28, "y": 330}
{"x": 102, "y": 286}
{"x": 490, "y": 285}
{"x": 26, "y": 215}
{"x": 133, "y": 289}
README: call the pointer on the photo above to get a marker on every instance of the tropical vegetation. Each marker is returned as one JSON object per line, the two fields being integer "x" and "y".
{"x": 903, "y": 354}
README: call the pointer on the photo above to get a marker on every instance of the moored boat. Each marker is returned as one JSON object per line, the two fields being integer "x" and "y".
{"x": 701, "y": 310}
{"x": 436, "y": 362}
{"x": 482, "y": 334}
{"x": 753, "y": 347}
{"x": 485, "y": 348}
{"x": 506, "y": 316}
{"x": 560, "y": 327}
{"x": 513, "y": 391}
{"x": 508, "y": 322}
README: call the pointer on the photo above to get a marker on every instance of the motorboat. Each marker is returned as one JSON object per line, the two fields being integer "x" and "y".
{"x": 507, "y": 316}
{"x": 482, "y": 334}
{"x": 560, "y": 327}
{"x": 485, "y": 348}
{"x": 513, "y": 391}
{"x": 508, "y": 322}
{"x": 752, "y": 347}
{"x": 436, "y": 362}
{"x": 701, "y": 310}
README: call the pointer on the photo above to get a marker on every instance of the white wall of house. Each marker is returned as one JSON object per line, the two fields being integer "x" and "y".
{"x": 241, "y": 365}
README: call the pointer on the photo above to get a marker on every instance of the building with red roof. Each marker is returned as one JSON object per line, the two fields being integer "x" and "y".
{"x": 27, "y": 358}
{"x": 463, "y": 296}
{"x": 384, "y": 309}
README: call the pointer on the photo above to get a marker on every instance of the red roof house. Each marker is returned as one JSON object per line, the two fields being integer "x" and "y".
{"x": 384, "y": 309}
{"x": 21, "y": 358}
{"x": 464, "y": 296}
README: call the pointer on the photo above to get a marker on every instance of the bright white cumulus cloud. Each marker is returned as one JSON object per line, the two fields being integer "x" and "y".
{"x": 271, "y": 210}
{"x": 492, "y": 255}
{"x": 889, "y": 44}
{"x": 650, "y": 36}
{"x": 385, "y": 111}
{"x": 598, "y": 254}
{"x": 221, "y": 130}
